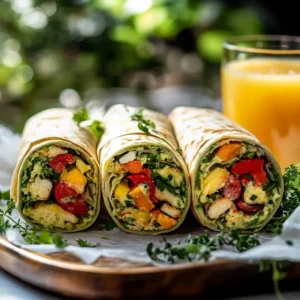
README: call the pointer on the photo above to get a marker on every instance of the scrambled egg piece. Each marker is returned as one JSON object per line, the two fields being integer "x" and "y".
{"x": 257, "y": 194}
{"x": 174, "y": 172}
{"x": 50, "y": 215}
{"x": 234, "y": 218}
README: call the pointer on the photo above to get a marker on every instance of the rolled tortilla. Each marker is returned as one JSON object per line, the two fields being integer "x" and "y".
{"x": 236, "y": 181}
{"x": 145, "y": 182}
{"x": 55, "y": 183}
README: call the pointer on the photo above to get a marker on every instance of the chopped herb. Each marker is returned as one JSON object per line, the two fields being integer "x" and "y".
{"x": 85, "y": 243}
{"x": 162, "y": 186}
{"x": 200, "y": 247}
{"x": 253, "y": 197}
{"x": 110, "y": 226}
{"x": 129, "y": 202}
{"x": 156, "y": 224}
{"x": 198, "y": 206}
{"x": 179, "y": 151}
{"x": 289, "y": 242}
{"x": 95, "y": 127}
{"x": 143, "y": 125}
{"x": 269, "y": 186}
{"x": 68, "y": 167}
{"x": 104, "y": 237}
{"x": 81, "y": 115}
{"x": 250, "y": 155}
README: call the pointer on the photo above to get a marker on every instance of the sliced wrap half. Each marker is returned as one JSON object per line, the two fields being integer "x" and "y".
{"x": 56, "y": 181}
{"x": 145, "y": 182}
{"x": 236, "y": 181}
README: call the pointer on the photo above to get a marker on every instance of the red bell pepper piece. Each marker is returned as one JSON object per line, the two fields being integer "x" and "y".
{"x": 59, "y": 162}
{"x": 68, "y": 199}
{"x": 254, "y": 167}
{"x": 232, "y": 188}
{"x": 137, "y": 179}
{"x": 248, "y": 208}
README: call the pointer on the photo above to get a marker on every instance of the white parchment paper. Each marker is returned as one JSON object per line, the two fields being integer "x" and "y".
{"x": 133, "y": 247}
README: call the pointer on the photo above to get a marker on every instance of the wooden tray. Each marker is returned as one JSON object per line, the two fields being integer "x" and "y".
{"x": 108, "y": 278}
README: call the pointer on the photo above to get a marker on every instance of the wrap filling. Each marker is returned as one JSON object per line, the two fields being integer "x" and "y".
{"x": 147, "y": 187}
{"x": 59, "y": 188}
{"x": 236, "y": 186}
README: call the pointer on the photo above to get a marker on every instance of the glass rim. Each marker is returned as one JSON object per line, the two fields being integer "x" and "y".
{"x": 230, "y": 44}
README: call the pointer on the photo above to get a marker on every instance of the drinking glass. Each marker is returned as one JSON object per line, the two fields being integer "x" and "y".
{"x": 261, "y": 91}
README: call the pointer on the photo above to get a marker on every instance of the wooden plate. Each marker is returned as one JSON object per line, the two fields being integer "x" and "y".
{"x": 108, "y": 278}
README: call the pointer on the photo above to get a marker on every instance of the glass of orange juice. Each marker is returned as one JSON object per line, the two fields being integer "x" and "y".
{"x": 261, "y": 91}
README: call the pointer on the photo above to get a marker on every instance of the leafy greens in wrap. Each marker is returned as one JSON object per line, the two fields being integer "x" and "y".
{"x": 144, "y": 179}
{"x": 236, "y": 182}
{"x": 56, "y": 181}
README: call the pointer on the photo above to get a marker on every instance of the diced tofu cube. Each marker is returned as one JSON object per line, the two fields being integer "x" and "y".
{"x": 54, "y": 151}
{"x": 170, "y": 211}
{"x": 40, "y": 189}
{"x": 215, "y": 180}
{"x": 74, "y": 179}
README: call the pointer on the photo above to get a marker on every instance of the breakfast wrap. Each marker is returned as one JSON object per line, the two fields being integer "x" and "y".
{"x": 56, "y": 181}
{"x": 236, "y": 182}
{"x": 145, "y": 182}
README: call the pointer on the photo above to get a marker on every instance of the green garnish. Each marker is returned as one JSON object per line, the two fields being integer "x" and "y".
{"x": 85, "y": 243}
{"x": 5, "y": 195}
{"x": 104, "y": 237}
{"x": 179, "y": 151}
{"x": 28, "y": 232}
{"x": 110, "y": 226}
{"x": 96, "y": 127}
{"x": 143, "y": 125}
{"x": 290, "y": 200}
{"x": 269, "y": 186}
{"x": 253, "y": 197}
{"x": 81, "y": 115}
{"x": 162, "y": 186}
{"x": 200, "y": 247}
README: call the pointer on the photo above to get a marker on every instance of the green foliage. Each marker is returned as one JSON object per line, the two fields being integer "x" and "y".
{"x": 290, "y": 201}
{"x": 86, "y": 45}
{"x": 200, "y": 247}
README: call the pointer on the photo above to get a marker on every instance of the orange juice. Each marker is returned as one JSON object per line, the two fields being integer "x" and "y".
{"x": 263, "y": 95}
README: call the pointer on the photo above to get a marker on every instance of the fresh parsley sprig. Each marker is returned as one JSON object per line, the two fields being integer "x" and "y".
{"x": 290, "y": 200}
{"x": 143, "y": 125}
{"x": 81, "y": 117}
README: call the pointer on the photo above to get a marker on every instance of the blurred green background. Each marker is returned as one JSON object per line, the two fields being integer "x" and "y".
{"x": 64, "y": 52}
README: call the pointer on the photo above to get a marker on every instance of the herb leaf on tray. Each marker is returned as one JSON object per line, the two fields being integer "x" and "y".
{"x": 198, "y": 248}
{"x": 85, "y": 243}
